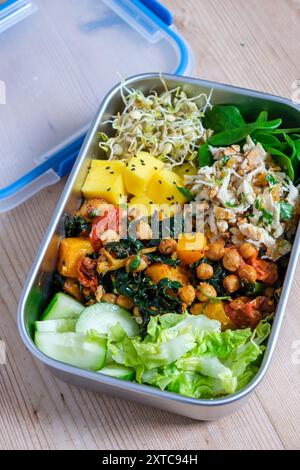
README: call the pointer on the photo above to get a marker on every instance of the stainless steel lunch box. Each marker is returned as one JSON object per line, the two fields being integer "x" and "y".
{"x": 38, "y": 286}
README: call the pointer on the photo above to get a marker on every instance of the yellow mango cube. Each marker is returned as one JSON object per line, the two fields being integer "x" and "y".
{"x": 105, "y": 179}
{"x": 142, "y": 204}
{"x": 185, "y": 169}
{"x": 163, "y": 188}
{"x": 70, "y": 252}
{"x": 139, "y": 170}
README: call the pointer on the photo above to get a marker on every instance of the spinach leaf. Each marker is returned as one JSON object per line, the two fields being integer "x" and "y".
{"x": 74, "y": 225}
{"x": 186, "y": 192}
{"x": 267, "y": 139}
{"x": 232, "y": 136}
{"x": 282, "y": 160}
{"x": 223, "y": 117}
{"x": 265, "y": 125}
{"x": 286, "y": 210}
{"x": 205, "y": 157}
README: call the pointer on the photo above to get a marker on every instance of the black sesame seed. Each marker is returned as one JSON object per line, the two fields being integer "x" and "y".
{"x": 159, "y": 181}
{"x": 155, "y": 168}
{"x": 107, "y": 167}
{"x": 169, "y": 198}
{"x": 108, "y": 189}
{"x": 111, "y": 172}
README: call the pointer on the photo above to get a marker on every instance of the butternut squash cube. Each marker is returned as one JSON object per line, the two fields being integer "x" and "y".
{"x": 163, "y": 188}
{"x": 70, "y": 252}
{"x": 105, "y": 179}
{"x": 190, "y": 247}
{"x": 139, "y": 170}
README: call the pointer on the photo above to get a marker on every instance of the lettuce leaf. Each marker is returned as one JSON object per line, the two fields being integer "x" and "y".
{"x": 190, "y": 354}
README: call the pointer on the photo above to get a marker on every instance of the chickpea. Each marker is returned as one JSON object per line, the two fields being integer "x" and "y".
{"x": 248, "y": 273}
{"x": 143, "y": 230}
{"x": 215, "y": 251}
{"x": 125, "y": 302}
{"x": 167, "y": 246}
{"x": 205, "y": 291}
{"x": 204, "y": 271}
{"x": 109, "y": 298}
{"x": 109, "y": 236}
{"x": 187, "y": 294}
{"x": 232, "y": 260}
{"x": 247, "y": 250}
{"x": 231, "y": 283}
{"x": 133, "y": 266}
{"x": 196, "y": 309}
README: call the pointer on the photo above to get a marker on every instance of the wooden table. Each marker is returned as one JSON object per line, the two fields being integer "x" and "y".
{"x": 250, "y": 43}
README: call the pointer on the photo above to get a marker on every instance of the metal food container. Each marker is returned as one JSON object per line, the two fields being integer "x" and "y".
{"x": 38, "y": 287}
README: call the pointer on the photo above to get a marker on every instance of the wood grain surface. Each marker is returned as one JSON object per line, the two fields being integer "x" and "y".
{"x": 250, "y": 43}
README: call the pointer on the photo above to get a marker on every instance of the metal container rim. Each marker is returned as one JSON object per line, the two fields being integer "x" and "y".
{"x": 141, "y": 389}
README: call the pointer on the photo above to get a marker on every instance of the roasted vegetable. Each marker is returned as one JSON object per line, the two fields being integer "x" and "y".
{"x": 190, "y": 247}
{"x": 70, "y": 252}
{"x": 213, "y": 310}
{"x": 159, "y": 271}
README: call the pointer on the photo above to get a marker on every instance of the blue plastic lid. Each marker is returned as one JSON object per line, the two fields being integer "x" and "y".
{"x": 58, "y": 60}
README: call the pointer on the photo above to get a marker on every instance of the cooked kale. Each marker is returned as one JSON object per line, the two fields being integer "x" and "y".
{"x": 252, "y": 288}
{"x": 159, "y": 258}
{"x": 150, "y": 298}
{"x": 75, "y": 225}
{"x": 124, "y": 248}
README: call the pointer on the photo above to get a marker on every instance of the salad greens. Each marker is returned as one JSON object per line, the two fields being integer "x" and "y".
{"x": 190, "y": 355}
{"x": 230, "y": 128}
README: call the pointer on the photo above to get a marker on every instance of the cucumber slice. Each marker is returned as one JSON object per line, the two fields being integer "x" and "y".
{"x": 62, "y": 306}
{"x": 84, "y": 351}
{"x": 101, "y": 316}
{"x": 55, "y": 326}
{"x": 119, "y": 371}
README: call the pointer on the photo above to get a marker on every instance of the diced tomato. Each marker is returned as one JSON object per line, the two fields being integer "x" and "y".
{"x": 267, "y": 271}
{"x": 244, "y": 312}
{"x": 109, "y": 220}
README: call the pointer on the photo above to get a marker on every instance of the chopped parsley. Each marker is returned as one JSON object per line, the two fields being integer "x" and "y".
{"x": 286, "y": 210}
